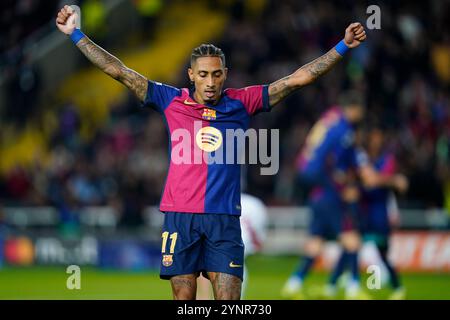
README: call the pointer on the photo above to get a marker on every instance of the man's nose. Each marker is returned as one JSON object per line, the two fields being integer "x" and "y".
{"x": 210, "y": 82}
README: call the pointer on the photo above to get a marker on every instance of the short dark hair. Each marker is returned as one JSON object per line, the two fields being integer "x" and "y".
{"x": 350, "y": 98}
{"x": 207, "y": 50}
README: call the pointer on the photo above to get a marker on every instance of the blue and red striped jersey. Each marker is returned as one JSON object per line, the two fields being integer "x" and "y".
{"x": 198, "y": 132}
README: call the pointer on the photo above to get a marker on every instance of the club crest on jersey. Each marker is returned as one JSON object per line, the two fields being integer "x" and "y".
{"x": 208, "y": 139}
{"x": 167, "y": 260}
{"x": 209, "y": 114}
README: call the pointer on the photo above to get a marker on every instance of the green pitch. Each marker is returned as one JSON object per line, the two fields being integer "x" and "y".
{"x": 266, "y": 277}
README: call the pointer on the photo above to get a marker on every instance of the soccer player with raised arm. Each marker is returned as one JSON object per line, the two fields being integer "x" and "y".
{"x": 201, "y": 201}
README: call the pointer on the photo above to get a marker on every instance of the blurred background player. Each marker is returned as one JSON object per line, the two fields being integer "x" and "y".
{"x": 370, "y": 207}
{"x": 327, "y": 156}
{"x": 253, "y": 227}
{"x": 379, "y": 210}
{"x": 202, "y": 223}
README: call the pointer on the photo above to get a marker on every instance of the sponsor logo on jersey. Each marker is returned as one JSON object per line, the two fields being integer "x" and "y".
{"x": 209, "y": 139}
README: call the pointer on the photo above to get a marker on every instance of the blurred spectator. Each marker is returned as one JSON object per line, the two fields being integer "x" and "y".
{"x": 18, "y": 185}
{"x": 20, "y": 18}
{"x": 22, "y": 88}
{"x": 148, "y": 10}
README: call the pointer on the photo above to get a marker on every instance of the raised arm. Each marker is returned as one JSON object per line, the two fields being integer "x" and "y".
{"x": 102, "y": 59}
{"x": 280, "y": 89}
{"x": 113, "y": 67}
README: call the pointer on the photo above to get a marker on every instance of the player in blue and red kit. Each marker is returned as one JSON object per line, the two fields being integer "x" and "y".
{"x": 324, "y": 165}
{"x": 371, "y": 205}
{"x": 374, "y": 203}
{"x": 201, "y": 200}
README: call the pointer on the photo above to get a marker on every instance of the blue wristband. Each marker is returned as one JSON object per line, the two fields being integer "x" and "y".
{"x": 76, "y": 35}
{"x": 341, "y": 48}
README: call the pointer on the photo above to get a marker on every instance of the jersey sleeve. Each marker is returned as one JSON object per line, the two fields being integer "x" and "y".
{"x": 159, "y": 95}
{"x": 254, "y": 98}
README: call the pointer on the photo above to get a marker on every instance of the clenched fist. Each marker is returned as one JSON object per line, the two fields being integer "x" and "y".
{"x": 354, "y": 35}
{"x": 66, "y": 20}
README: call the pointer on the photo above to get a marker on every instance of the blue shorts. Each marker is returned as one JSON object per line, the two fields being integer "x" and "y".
{"x": 194, "y": 243}
{"x": 375, "y": 219}
{"x": 330, "y": 218}
{"x": 326, "y": 219}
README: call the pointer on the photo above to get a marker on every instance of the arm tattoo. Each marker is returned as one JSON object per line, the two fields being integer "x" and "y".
{"x": 279, "y": 90}
{"x": 226, "y": 287}
{"x": 114, "y": 67}
{"x": 306, "y": 74}
{"x": 323, "y": 64}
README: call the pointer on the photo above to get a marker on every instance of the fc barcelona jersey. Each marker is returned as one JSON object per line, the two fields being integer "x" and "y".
{"x": 202, "y": 177}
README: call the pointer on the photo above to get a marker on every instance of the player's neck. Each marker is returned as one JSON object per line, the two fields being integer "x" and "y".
{"x": 198, "y": 98}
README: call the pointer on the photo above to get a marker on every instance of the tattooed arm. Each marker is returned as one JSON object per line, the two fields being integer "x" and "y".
{"x": 105, "y": 61}
{"x": 308, "y": 73}
{"x": 280, "y": 89}
{"x": 113, "y": 67}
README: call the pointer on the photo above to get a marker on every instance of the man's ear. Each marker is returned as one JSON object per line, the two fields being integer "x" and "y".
{"x": 191, "y": 74}
{"x": 225, "y": 72}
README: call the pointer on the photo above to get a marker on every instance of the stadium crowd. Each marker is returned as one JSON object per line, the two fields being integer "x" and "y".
{"x": 403, "y": 69}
